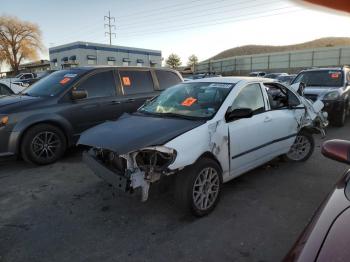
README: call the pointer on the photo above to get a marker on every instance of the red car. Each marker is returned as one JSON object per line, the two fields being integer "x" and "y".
{"x": 327, "y": 237}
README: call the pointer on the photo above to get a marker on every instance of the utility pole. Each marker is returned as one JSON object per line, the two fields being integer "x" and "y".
{"x": 110, "y": 26}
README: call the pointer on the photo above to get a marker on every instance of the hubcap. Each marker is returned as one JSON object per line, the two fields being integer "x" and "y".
{"x": 206, "y": 188}
{"x": 45, "y": 145}
{"x": 300, "y": 148}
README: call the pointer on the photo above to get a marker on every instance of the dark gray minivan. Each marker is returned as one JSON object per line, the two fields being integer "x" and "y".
{"x": 44, "y": 120}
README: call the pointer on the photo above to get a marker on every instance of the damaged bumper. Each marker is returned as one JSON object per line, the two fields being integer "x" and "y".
{"x": 117, "y": 180}
{"x": 131, "y": 171}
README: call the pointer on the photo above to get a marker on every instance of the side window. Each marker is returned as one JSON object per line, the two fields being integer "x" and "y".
{"x": 280, "y": 97}
{"x": 250, "y": 97}
{"x": 167, "y": 79}
{"x": 136, "y": 82}
{"x": 4, "y": 90}
{"x": 99, "y": 85}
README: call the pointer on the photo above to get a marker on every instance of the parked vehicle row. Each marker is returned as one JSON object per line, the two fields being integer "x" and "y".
{"x": 330, "y": 85}
{"x": 204, "y": 132}
{"x": 42, "y": 121}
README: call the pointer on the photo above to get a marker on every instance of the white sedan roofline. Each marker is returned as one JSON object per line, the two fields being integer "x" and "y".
{"x": 231, "y": 79}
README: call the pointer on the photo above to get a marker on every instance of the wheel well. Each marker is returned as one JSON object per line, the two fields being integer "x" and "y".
{"x": 55, "y": 124}
{"x": 211, "y": 156}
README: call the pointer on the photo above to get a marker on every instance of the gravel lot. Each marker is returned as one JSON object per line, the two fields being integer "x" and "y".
{"x": 62, "y": 212}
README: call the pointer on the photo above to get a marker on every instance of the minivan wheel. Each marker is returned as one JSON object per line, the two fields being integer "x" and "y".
{"x": 43, "y": 144}
{"x": 339, "y": 120}
{"x": 302, "y": 148}
{"x": 198, "y": 187}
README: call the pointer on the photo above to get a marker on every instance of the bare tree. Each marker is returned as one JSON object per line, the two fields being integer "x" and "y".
{"x": 19, "y": 40}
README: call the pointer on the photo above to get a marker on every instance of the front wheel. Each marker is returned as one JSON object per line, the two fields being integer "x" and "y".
{"x": 302, "y": 148}
{"x": 43, "y": 144}
{"x": 198, "y": 187}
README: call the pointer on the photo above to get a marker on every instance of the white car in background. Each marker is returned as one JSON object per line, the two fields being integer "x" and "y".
{"x": 204, "y": 132}
{"x": 7, "y": 88}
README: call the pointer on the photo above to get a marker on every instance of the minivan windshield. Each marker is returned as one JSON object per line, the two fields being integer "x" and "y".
{"x": 322, "y": 78}
{"x": 53, "y": 84}
{"x": 189, "y": 100}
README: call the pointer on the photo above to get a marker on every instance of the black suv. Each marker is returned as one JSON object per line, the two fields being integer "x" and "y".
{"x": 332, "y": 86}
{"x": 41, "y": 122}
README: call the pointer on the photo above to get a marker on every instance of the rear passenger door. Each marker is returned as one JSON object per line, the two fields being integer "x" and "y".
{"x": 101, "y": 104}
{"x": 136, "y": 87}
{"x": 167, "y": 79}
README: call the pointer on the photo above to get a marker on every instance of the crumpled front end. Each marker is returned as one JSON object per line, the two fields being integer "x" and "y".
{"x": 314, "y": 118}
{"x": 128, "y": 172}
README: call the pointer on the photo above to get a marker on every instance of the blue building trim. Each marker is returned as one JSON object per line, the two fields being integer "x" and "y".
{"x": 102, "y": 48}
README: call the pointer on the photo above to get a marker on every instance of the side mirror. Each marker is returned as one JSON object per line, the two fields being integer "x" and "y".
{"x": 337, "y": 150}
{"x": 79, "y": 94}
{"x": 238, "y": 113}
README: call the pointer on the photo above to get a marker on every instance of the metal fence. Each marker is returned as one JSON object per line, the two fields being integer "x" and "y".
{"x": 290, "y": 62}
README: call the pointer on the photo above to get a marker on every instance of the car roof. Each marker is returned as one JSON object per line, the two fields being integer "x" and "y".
{"x": 322, "y": 69}
{"x": 91, "y": 68}
{"x": 231, "y": 79}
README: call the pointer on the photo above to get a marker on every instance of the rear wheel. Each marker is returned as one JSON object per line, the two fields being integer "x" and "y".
{"x": 198, "y": 187}
{"x": 43, "y": 144}
{"x": 302, "y": 148}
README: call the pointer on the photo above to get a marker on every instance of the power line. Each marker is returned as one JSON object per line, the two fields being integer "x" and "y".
{"x": 203, "y": 13}
{"x": 212, "y": 22}
{"x": 110, "y": 26}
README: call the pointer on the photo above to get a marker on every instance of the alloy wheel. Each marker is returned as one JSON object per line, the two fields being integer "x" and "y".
{"x": 206, "y": 188}
{"x": 300, "y": 149}
{"x": 45, "y": 145}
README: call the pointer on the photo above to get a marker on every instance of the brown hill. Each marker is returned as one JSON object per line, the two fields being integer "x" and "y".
{"x": 261, "y": 49}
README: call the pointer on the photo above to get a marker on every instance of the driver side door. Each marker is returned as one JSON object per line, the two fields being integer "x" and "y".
{"x": 249, "y": 137}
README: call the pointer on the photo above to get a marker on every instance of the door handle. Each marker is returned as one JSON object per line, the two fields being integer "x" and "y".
{"x": 267, "y": 119}
{"x": 130, "y": 100}
{"x": 115, "y": 102}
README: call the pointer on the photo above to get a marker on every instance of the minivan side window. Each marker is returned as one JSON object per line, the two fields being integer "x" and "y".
{"x": 4, "y": 90}
{"x": 250, "y": 97}
{"x": 101, "y": 84}
{"x": 167, "y": 79}
{"x": 136, "y": 82}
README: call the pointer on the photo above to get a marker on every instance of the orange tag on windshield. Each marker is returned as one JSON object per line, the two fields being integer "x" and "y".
{"x": 65, "y": 80}
{"x": 189, "y": 101}
{"x": 126, "y": 81}
{"x": 335, "y": 75}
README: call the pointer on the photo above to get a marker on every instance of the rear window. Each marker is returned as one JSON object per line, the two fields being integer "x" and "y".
{"x": 136, "y": 82}
{"x": 321, "y": 78}
{"x": 167, "y": 79}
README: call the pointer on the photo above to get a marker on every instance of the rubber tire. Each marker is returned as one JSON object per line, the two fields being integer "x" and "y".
{"x": 339, "y": 120}
{"x": 310, "y": 137}
{"x": 184, "y": 186}
{"x": 29, "y": 135}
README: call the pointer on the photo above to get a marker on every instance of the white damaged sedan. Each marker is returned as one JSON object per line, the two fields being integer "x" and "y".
{"x": 204, "y": 132}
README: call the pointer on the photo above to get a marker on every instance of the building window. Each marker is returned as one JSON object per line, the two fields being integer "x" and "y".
{"x": 139, "y": 62}
{"x": 126, "y": 61}
{"x": 110, "y": 60}
{"x": 91, "y": 60}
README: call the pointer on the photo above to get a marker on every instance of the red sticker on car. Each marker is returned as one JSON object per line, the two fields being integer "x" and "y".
{"x": 64, "y": 80}
{"x": 335, "y": 75}
{"x": 126, "y": 81}
{"x": 189, "y": 101}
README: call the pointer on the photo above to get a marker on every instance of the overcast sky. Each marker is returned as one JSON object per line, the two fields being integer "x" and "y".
{"x": 185, "y": 27}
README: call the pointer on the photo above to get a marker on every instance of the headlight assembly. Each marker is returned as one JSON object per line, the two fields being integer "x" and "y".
{"x": 331, "y": 95}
